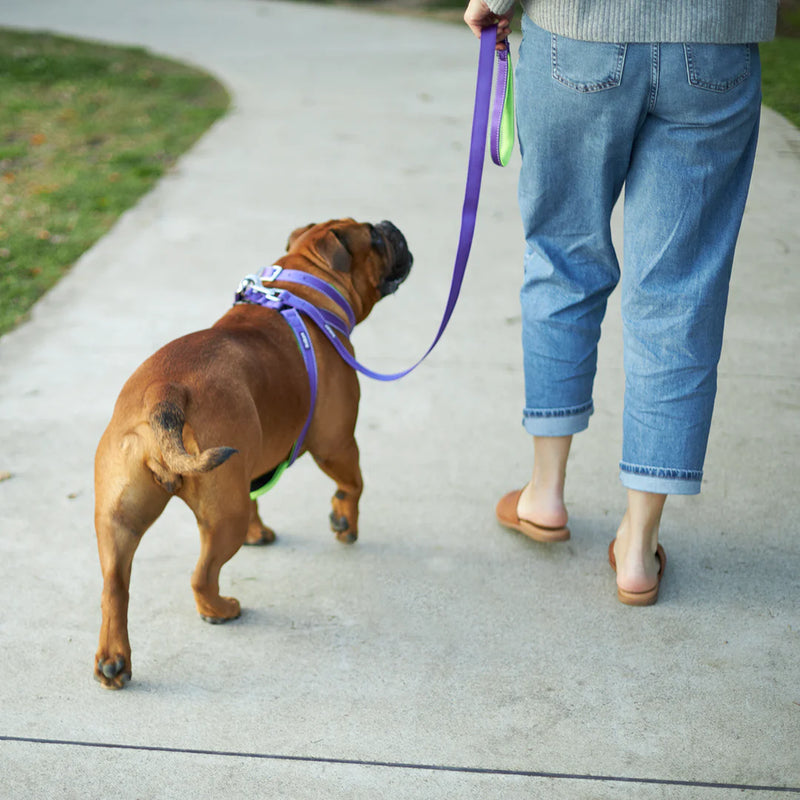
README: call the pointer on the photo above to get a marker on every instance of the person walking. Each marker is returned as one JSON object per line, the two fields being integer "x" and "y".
{"x": 662, "y": 98}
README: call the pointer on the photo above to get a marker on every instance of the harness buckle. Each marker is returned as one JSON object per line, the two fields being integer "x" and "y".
{"x": 252, "y": 283}
{"x": 275, "y": 295}
{"x": 276, "y": 270}
{"x": 248, "y": 282}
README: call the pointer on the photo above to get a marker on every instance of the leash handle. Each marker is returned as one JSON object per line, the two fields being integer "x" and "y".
{"x": 502, "y": 135}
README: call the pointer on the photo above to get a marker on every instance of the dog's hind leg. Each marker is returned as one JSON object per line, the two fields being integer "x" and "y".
{"x": 223, "y": 526}
{"x": 126, "y": 504}
{"x": 117, "y": 544}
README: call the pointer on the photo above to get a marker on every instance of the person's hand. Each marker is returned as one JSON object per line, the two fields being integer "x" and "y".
{"x": 478, "y": 16}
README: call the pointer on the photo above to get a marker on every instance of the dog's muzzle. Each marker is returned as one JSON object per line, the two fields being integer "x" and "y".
{"x": 400, "y": 258}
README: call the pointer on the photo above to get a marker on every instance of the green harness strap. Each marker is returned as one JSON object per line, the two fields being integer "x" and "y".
{"x": 266, "y": 481}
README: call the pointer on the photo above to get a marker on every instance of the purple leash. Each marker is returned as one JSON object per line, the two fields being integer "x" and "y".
{"x": 480, "y": 124}
{"x": 291, "y": 307}
{"x": 469, "y": 213}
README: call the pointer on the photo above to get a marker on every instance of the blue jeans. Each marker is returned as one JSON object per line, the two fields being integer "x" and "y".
{"x": 676, "y": 125}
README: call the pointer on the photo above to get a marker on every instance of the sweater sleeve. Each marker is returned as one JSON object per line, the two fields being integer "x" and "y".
{"x": 500, "y": 6}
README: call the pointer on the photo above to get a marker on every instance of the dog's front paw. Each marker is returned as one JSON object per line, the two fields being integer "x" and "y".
{"x": 112, "y": 673}
{"x": 340, "y": 525}
{"x": 344, "y": 516}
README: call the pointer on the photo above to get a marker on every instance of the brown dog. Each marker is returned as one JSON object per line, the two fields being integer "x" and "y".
{"x": 214, "y": 410}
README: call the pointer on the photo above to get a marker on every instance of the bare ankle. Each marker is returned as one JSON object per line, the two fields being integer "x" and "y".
{"x": 543, "y": 505}
{"x": 542, "y": 500}
{"x": 635, "y": 547}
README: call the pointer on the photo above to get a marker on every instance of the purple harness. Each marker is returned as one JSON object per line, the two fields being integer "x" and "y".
{"x": 290, "y": 306}
{"x": 252, "y": 288}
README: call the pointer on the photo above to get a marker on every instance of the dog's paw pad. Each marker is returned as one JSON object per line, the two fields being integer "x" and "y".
{"x": 266, "y": 536}
{"x": 342, "y": 528}
{"x": 219, "y": 620}
{"x": 111, "y": 668}
{"x": 110, "y": 673}
{"x": 213, "y": 620}
{"x": 338, "y": 524}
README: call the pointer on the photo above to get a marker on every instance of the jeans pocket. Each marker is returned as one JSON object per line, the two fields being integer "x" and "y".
{"x": 587, "y": 66}
{"x": 717, "y": 67}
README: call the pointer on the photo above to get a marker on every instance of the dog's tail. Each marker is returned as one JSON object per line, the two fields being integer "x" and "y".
{"x": 167, "y": 420}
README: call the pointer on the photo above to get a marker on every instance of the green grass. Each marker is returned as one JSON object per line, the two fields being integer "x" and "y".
{"x": 85, "y": 130}
{"x": 780, "y": 69}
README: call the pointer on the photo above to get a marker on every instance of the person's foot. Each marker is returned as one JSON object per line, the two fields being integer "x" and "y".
{"x": 509, "y": 516}
{"x": 538, "y": 510}
{"x": 543, "y": 506}
{"x": 646, "y": 597}
{"x": 638, "y": 561}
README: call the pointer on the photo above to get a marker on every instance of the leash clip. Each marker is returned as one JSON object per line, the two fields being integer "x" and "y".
{"x": 248, "y": 282}
{"x": 252, "y": 283}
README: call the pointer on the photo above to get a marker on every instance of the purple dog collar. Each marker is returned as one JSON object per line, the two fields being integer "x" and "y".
{"x": 275, "y": 272}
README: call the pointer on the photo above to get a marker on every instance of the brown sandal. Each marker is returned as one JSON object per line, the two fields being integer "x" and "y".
{"x": 506, "y": 512}
{"x": 646, "y": 598}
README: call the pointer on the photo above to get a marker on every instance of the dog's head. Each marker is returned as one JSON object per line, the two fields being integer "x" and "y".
{"x": 369, "y": 260}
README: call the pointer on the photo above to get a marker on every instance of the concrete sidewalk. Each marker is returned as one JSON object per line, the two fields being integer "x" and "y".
{"x": 441, "y": 656}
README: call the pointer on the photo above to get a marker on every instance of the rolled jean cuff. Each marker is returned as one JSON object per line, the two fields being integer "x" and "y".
{"x": 659, "y": 480}
{"x": 557, "y": 421}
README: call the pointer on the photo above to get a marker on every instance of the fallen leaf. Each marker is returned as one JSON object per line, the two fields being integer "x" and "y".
{"x": 4, "y": 476}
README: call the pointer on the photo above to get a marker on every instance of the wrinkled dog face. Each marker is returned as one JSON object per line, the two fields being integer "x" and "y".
{"x": 385, "y": 234}
{"x": 376, "y": 257}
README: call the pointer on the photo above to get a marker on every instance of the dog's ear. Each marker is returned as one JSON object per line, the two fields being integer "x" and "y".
{"x": 338, "y": 253}
{"x": 332, "y": 248}
{"x": 296, "y": 234}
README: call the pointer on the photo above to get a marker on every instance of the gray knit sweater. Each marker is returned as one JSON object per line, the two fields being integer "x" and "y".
{"x": 719, "y": 21}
